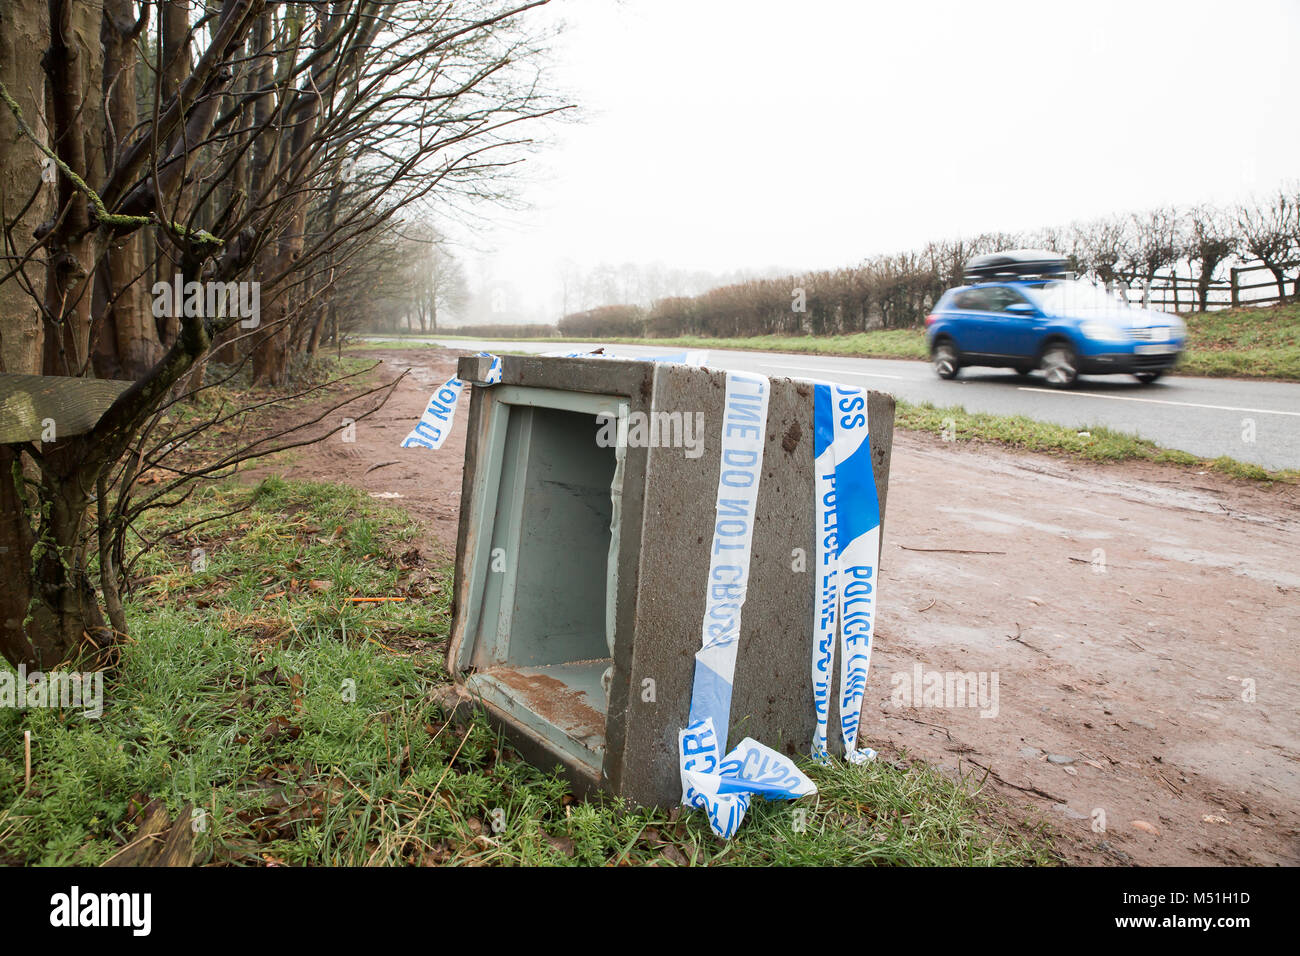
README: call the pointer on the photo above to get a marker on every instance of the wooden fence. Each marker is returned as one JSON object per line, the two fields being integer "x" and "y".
{"x": 1245, "y": 286}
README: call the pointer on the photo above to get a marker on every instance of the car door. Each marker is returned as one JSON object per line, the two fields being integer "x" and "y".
{"x": 1012, "y": 323}
{"x": 973, "y": 330}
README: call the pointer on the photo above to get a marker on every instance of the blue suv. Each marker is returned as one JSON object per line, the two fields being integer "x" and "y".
{"x": 1022, "y": 312}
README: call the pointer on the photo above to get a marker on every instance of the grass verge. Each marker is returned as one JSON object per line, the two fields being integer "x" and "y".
{"x": 1244, "y": 343}
{"x": 1097, "y": 443}
{"x": 1238, "y": 343}
{"x": 307, "y": 728}
{"x": 885, "y": 343}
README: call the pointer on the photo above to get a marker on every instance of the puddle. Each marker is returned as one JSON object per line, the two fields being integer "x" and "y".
{"x": 999, "y": 522}
{"x": 1228, "y": 562}
{"x": 423, "y": 374}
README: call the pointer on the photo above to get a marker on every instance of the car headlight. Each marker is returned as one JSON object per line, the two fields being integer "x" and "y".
{"x": 1102, "y": 331}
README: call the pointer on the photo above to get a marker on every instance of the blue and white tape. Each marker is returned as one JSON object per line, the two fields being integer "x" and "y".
{"x": 721, "y": 785}
{"x": 844, "y": 609}
{"x": 440, "y": 412}
{"x": 847, "y": 552}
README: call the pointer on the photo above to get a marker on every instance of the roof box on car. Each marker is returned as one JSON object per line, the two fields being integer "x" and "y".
{"x": 1016, "y": 263}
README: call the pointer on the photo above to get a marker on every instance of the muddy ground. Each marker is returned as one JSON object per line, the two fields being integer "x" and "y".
{"x": 1141, "y": 622}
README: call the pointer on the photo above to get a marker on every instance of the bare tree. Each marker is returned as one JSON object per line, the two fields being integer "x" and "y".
{"x": 1269, "y": 230}
{"x": 439, "y": 280}
{"x": 247, "y": 115}
{"x": 1211, "y": 240}
{"x": 1104, "y": 246}
{"x": 1157, "y": 244}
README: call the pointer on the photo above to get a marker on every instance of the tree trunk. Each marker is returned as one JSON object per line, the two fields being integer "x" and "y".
{"x": 24, "y": 27}
{"x": 1203, "y": 288}
{"x": 74, "y": 65}
{"x": 173, "y": 29}
{"x": 271, "y": 348}
{"x": 193, "y": 380}
{"x": 1279, "y": 274}
{"x": 48, "y": 605}
{"x": 129, "y": 343}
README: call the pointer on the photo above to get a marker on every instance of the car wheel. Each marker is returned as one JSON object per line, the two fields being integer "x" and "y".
{"x": 1146, "y": 378}
{"x": 946, "y": 363}
{"x": 1060, "y": 365}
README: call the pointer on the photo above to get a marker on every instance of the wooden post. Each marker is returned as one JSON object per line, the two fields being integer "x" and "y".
{"x": 1236, "y": 296}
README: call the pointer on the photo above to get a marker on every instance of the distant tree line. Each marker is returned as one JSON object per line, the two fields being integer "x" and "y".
{"x": 611, "y": 320}
{"x": 501, "y": 330}
{"x": 407, "y": 281}
{"x": 1190, "y": 246}
{"x": 642, "y": 283}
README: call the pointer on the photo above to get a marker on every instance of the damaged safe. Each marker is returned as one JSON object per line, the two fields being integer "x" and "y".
{"x": 581, "y": 563}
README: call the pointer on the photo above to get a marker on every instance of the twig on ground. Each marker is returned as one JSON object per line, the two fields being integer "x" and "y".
{"x": 949, "y": 550}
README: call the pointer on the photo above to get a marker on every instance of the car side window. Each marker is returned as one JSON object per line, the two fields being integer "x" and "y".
{"x": 972, "y": 300}
{"x": 1002, "y": 297}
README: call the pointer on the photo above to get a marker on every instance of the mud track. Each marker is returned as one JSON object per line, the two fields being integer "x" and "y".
{"x": 1141, "y": 622}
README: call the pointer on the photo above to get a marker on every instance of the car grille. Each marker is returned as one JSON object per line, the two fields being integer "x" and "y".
{"x": 1159, "y": 333}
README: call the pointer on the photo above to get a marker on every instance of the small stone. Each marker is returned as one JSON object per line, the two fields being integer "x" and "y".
{"x": 1030, "y": 753}
{"x": 1145, "y": 827}
{"x": 1141, "y": 723}
{"x": 561, "y": 844}
{"x": 1060, "y": 759}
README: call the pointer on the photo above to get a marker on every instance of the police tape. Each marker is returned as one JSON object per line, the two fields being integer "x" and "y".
{"x": 847, "y": 551}
{"x": 440, "y": 411}
{"x": 721, "y": 785}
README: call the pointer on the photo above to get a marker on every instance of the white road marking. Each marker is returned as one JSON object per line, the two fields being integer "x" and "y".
{"x": 1158, "y": 401}
{"x": 836, "y": 371}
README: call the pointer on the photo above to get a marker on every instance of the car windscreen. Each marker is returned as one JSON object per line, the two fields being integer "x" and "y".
{"x": 1074, "y": 295}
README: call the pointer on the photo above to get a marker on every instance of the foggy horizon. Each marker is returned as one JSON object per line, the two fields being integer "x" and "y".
{"x": 732, "y": 140}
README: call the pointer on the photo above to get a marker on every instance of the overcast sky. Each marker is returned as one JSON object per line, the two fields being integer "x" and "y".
{"x": 748, "y": 134}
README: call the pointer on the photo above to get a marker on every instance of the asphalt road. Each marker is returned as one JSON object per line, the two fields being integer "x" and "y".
{"x": 1251, "y": 421}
